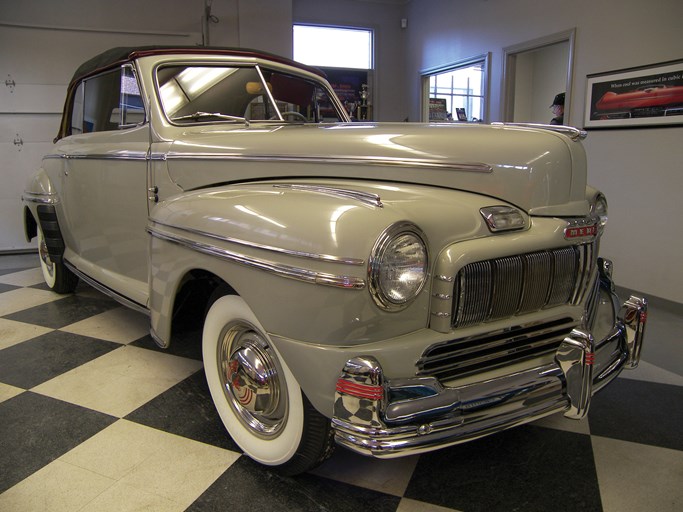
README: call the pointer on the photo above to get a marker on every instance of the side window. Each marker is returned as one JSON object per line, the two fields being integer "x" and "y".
{"x": 110, "y": 101}
{"x": 77, "y": 111}
{"x": 132, "y": 108}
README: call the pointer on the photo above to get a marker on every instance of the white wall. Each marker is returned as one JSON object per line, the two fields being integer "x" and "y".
{"x": 640, "y": 170}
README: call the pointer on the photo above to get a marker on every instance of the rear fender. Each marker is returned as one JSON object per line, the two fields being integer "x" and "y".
{"x": 38, "y": 192}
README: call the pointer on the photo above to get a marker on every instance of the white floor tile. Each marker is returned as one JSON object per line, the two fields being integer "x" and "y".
{"x": 119, "y": 382}
{"x": 636, "y": 477}
{"x": 151, "y": 461}
{"x": 56, "y": 487}
{"x": 28, "y": 277}
{"x": 126, "y": 498}
{"x": 12, "y": 333}
{"x": 651, "y": 373}
{"x": 7, "y": 392}
{"x": 120, "y": 325}
{"x": 24, "y": 298}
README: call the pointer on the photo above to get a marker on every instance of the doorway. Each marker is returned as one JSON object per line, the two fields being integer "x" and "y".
{"x": 533, "y": 73}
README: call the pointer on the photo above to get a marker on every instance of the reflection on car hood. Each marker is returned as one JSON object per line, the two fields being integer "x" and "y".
{"x": 540, "y": 171}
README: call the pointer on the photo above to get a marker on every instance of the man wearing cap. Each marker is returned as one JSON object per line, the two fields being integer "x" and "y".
{"x": 558, "y": 109}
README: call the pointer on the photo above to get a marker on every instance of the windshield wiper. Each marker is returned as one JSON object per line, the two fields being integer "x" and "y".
{"x": 198, "y": 115}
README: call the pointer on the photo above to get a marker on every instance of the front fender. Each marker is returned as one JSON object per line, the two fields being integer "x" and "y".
{"x": 298, "y": 253}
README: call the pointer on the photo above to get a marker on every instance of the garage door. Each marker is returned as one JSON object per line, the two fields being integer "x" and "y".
{"x": 36, "y": 64}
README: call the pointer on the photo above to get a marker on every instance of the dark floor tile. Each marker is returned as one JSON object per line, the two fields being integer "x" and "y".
{"x": 5, "y": 271}
{"x": 246, "y": 486}
{"x": 40, "y": 359}
{"x": 63, "y": 312}
{"x": 7, "y": 287}
{"x": 186, "y": 410}
{"x": 10, "y": 263}
{"x": 35, "y": 430}
{"x": 523, "y": 469}
{"x": 41, "y": 286}
{"x": 184, "y": 344}
{"x": 640, "y": 412}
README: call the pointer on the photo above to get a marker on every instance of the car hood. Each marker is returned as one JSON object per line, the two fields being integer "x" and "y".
{"x": 539, "y": 170}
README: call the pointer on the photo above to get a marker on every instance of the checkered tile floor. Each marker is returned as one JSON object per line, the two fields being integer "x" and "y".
{"x": 93, "y": 417}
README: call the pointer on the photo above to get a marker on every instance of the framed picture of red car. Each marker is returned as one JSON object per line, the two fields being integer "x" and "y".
{"x": 636, "y": 97}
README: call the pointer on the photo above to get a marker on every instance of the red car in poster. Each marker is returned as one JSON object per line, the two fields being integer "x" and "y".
{"x": 645, "y": 97}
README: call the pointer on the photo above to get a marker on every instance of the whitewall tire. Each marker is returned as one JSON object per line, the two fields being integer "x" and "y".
{"x": 256, "y": 394}
{"x": 57, "y": 276}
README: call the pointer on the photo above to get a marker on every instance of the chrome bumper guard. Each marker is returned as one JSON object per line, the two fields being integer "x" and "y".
{"x": 391, "y": 418}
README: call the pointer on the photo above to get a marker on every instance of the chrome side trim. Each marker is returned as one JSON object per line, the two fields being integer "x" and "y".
{"x": 569, "y": 131}
{"x": 336, "y": 159}
{"x": 30, "y": 197}
{"x": 108, "y": 291}
{"x": 120, "y": 155}
{"x": 296, "y": 273}
{"x": 279, "y": 250}
{"x": 364, "y": 197}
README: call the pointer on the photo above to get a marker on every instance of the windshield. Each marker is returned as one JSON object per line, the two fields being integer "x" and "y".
{"x": 201, "y": 93}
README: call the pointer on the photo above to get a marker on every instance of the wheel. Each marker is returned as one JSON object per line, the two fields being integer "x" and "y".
{"x": 57, "y": 276}
{"x": 256, "y": 395}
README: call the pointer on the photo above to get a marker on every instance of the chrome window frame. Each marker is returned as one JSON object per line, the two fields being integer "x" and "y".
{"x": 341, "y": 112}
{"x": 134, "y": 75}
{"x": 80, "y": 88}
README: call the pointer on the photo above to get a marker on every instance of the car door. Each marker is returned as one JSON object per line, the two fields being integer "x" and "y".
{"x": 103, "y": 211}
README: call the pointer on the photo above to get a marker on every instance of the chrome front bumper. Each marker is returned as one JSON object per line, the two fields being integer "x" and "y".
{"x": 395, "y": 417}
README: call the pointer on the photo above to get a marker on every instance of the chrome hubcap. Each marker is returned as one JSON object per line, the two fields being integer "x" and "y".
{"x": 251, "y": 382}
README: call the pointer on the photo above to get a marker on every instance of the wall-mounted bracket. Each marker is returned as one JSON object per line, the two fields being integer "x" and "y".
{"x": 10, "y": 83}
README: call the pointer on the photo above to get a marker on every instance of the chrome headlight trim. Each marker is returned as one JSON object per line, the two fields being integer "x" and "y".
{"x": 503, "y": 218}
{"x": 599, "y": 209}
{"x": 398, "y": 267}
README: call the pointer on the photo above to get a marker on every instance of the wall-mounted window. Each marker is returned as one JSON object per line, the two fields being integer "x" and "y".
{"x": 457, "y": 91}
{"x": 333, "y": 47}
{"x": 346, "y": 56}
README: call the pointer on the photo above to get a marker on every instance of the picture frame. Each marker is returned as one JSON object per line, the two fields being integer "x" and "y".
{"x": 635, "y": 97}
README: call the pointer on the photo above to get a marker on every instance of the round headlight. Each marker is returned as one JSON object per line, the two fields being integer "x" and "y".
{"x": 398, "y": 266}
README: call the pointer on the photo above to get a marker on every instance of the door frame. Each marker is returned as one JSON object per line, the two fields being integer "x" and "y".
{"x": 509, "y": 68}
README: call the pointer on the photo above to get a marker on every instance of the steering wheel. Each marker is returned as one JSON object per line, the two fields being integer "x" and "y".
{"x": 291, "y": 113}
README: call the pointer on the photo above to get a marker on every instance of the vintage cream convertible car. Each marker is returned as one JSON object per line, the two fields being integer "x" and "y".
{"x": 395, "y": 288}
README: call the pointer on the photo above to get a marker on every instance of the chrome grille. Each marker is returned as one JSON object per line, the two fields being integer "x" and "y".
{"x": 464, "y": 356}
{"x": 503, "y": 287}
